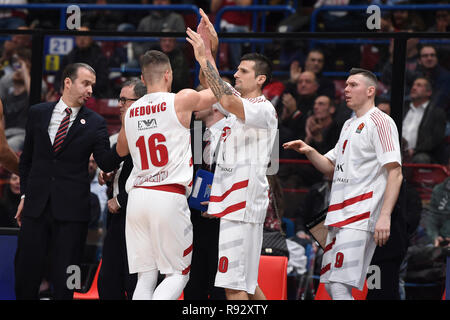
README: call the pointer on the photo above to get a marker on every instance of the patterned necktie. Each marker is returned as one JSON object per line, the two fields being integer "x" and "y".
{"x": 62, "y": 131}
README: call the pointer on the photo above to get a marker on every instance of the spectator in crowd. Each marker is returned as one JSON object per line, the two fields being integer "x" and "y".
{"x": 436, "y": 217}
{"x": 442, "y": 24}
{"x": 13, "y": 18}
{"x": 10, "y": 48}
{"x": 8, "y": 158}
{"x": 87, "y": 51}
{"x": 438, "y": 76}
{"x": 411, "y": 63}
{"x": 341, "y": 20}
{"x": 178, "y": 63}
{"x": 15, "y": 99}
{"x": 120, "y": 20}
{"x": 297, "y": 102}
{"x": 9, "y": 202}
{"x": 315, "y": 60}
{"x": 157, "y": 21}
{"x": 115, "y": 281}
{"x": 322, "y": 132}
{"x": 405, "y": 20}
{"x": 233, "y": 21}
{"x": 373, "y": 55}
{"x": 423, "y": 125}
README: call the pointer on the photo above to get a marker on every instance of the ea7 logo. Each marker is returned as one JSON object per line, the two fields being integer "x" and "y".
{"x": 340, "y": 167}
{"x": 147, "y": 124}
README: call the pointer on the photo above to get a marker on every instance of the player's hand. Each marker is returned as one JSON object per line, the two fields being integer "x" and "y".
{"x": 298, "y": 145}
{"x": 113, "y": 207}
{"x": 197, "y": 44}
{"x": 104, "y": 177}
{"x": 382, "y": 230}
{"x": 205, "y": 213}
{"x": 207, "y": 31}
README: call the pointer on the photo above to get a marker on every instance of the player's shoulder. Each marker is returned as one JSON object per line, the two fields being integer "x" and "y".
{"x": 379, "y": 118}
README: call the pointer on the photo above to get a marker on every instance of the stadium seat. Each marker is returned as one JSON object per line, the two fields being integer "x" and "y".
{"x": 92, "y": 293}
{"x": 272, "y": 277}
{"x": 425, "y": 176}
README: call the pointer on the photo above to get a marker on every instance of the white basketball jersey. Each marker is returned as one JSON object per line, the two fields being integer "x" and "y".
{"x": 240, "y": 187}
{"x": 159, "y": 144}
{"x": 365, "y": 145}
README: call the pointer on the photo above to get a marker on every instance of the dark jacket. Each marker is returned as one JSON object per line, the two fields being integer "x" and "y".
{"x": 63, "y": 176}
{"x": 431, "y": 130}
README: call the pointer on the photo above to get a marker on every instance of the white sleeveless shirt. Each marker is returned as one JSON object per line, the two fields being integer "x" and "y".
{"x": 159, "y": 144}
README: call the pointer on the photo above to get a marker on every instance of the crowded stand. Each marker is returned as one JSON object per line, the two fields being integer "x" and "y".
{"x": 307, "y": 90}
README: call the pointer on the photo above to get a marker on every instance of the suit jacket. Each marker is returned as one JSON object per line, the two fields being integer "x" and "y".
{"x": 63, "y": 176}
{"x": 431, "y": 132}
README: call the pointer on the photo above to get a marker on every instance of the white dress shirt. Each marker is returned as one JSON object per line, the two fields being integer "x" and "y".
{"x": 58, "y": 114}
{"x": 411, "y": 123}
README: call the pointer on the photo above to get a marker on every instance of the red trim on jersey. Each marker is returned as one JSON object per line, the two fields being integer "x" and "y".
{"x": 325, "y": 269}
{"x": 236, "y": 186}
{"x": 175, "y": 188}
{"x": 186, "y": 271}
{"x": 348, "y": 202}
{"x": 384, "y": 131}
{"x": 187, "y": 251}
{"x": 356, "y": 218}
{"x": 230, "y": 209}
{"x": 330, "y": 245}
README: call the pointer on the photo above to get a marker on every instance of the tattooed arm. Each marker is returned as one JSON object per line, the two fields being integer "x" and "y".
{"x": 222, "y": 91}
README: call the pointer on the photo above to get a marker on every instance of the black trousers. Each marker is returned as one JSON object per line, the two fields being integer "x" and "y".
{"x": 204, "y": 260}
{"x": 114, "y": 280}
{"x": 39, "y": 238}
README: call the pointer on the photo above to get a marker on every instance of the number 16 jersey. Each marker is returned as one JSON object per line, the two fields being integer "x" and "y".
{"x": 159, "y": 144}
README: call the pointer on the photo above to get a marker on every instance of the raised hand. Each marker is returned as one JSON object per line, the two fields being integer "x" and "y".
{"x": 198, "y": 45}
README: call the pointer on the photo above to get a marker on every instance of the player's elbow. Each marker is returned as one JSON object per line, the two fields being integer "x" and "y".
{"x": 121, "y": 150}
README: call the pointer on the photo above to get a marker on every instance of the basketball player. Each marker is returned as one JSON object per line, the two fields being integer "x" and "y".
{"x": 239, "y": 194}
{"x": 156, "y": 133}
{"x": 366, "y": 169}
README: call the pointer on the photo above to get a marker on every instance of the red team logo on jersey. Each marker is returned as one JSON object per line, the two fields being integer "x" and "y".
{"x": 360, "y": 127}
{"x": 345, "y": 145}
{"x": 226, "y": 133}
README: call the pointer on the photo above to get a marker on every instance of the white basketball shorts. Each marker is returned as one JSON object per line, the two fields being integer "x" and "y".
{"x": 239, "y": 253}
{"x": 158, "y": 231}
{"x": 347, "y": 256}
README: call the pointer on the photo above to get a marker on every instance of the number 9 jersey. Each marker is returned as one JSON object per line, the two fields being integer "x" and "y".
{"x": 159, "y": 144}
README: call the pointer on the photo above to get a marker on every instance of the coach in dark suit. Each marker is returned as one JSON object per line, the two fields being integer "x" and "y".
{"x": 54, "y": 211}
{"x": 115, "y": 281}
